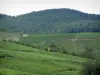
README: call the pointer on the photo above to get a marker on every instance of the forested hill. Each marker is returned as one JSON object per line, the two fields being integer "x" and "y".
{"x": 51, "y": 21}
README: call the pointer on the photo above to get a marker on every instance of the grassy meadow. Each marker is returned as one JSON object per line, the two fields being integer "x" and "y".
{"x": 22, "y": 59}
{"x": 71, "y": 42}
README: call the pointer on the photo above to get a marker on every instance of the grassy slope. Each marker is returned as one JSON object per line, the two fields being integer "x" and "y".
{"x": 29, "y": 61}
{"x": 71, "y": 41}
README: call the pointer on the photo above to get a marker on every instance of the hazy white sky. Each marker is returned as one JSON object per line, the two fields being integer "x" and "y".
{"x": 16, "y": 7}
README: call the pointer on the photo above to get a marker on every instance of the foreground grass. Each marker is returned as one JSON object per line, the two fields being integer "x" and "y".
{"x": 30, "y": 61}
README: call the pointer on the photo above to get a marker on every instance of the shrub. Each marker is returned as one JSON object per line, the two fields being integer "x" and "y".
{"x": 71, "y": 69}
{"x": 65, "y": 51}
{"x": 88, "y": 53}
{"x": 46, "y": 49}
{"x": 74, "y": 54}
{"x": 91, "y": 68}
{"x": 1, "y": 73}
{"x": 52, "y": 47}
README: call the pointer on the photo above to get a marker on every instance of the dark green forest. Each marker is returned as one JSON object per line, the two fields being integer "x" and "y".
{"x": 51, "y": 21}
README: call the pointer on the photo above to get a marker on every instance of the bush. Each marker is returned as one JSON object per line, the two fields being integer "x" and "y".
{"x": 1, "y": 73}
{"x": 53, "y": 47}
{"x": 71, "y": 69}
{"x": 88, "y": 53}
{"x": 74, "y": 54}
{"x": 91, "y": 68}
{"x": 65, "y": 51}
{"x": 46, "y": 49}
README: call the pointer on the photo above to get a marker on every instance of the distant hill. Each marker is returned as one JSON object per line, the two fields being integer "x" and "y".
{"x": 51, "y": 21}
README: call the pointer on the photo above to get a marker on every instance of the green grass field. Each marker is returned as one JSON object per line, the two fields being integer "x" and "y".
{"x": 17, "y": 59}
{"x": 22, "y": 60}
{"x": 72, "y": 42}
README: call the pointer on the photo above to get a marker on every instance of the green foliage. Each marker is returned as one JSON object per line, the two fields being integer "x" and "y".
{"x": 74, "y": 54}
{"x": 52, "y": 47}
{"x": 89, "y": 53}
{"x": 91, "y": 68}
{"x": 63, "y": 50}
{"x": 55, "y": 48}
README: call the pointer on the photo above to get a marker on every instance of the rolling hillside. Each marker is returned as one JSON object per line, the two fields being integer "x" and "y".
{"x": 23, "y": 60}
{"x": 71, "y": 42}
{"x": 48, "y": 42}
